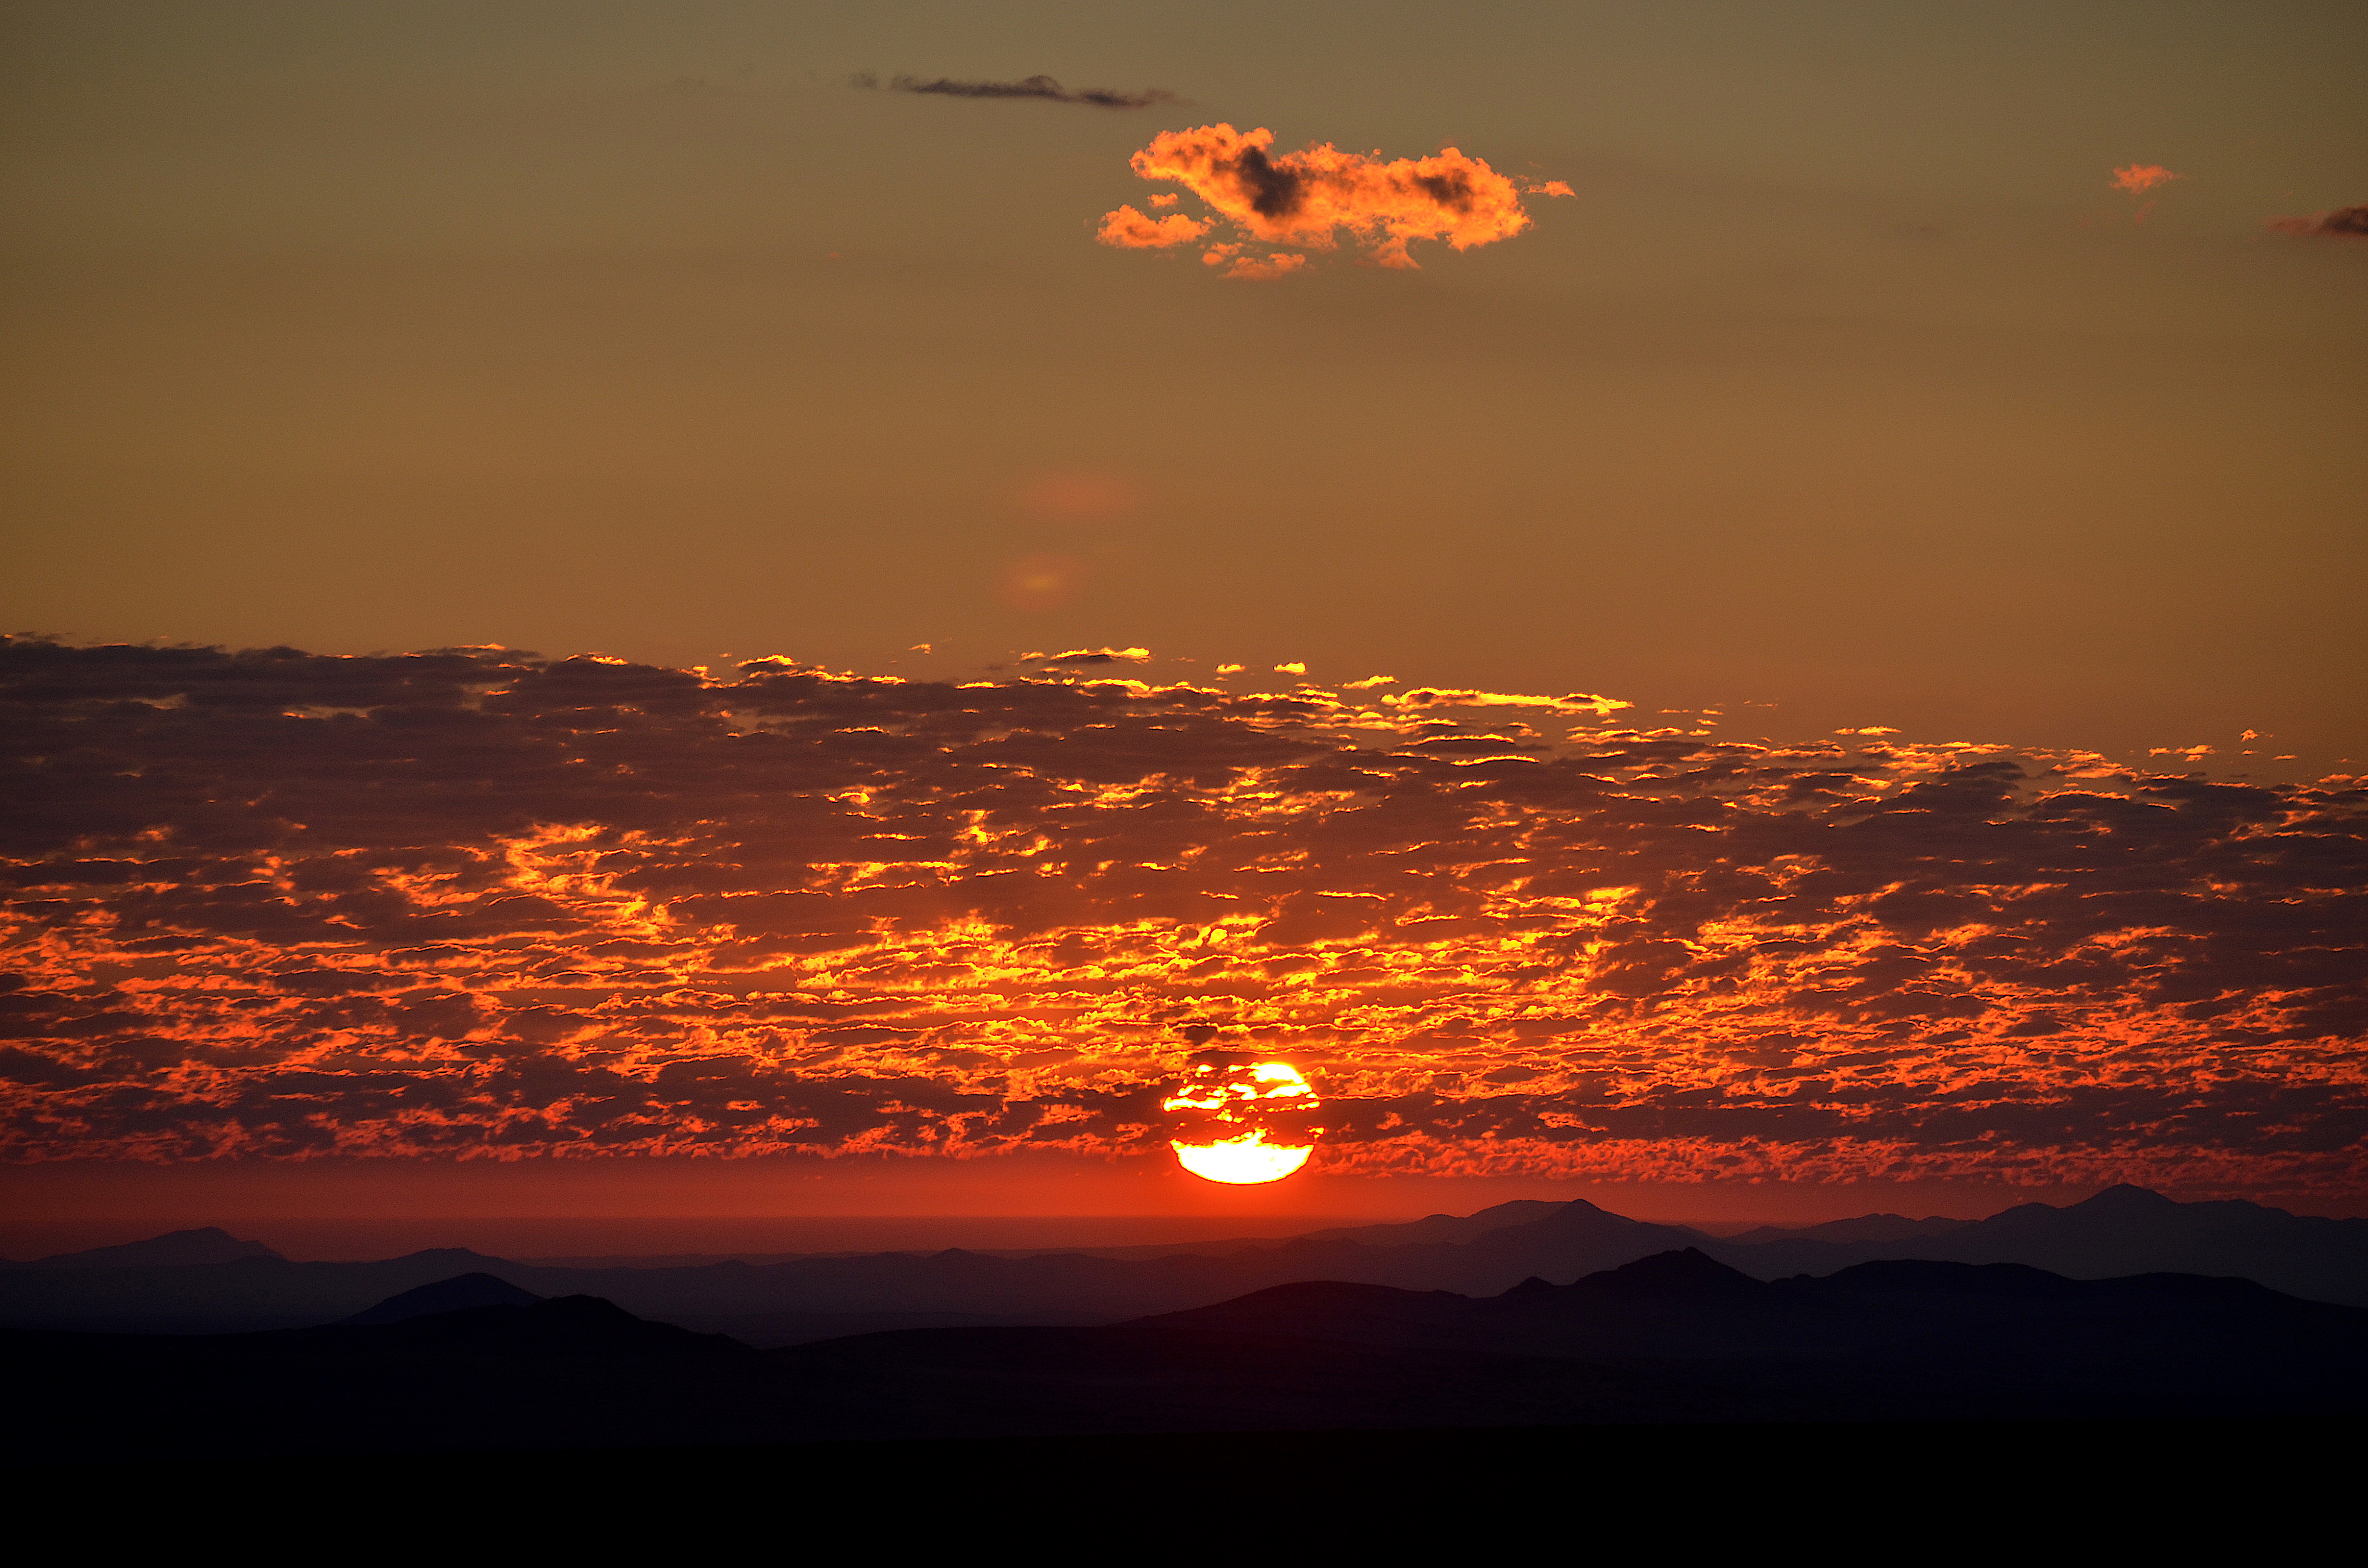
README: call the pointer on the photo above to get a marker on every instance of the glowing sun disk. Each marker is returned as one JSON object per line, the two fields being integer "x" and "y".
{"x": 1242, "y": 1162}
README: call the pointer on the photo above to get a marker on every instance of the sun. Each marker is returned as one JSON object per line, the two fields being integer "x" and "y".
{"x": 1242, "y": 1122}
{"x": 1242, "y": 1162}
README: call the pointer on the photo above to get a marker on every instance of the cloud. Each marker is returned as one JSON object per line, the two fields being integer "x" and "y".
{"x": 1090, "y": 656}
{"x": 2339, "y": 224}
{"x": 2139, "y": 179}
{"x": 1275, "y": 264}
{"x": 1315, "y": 198}
{"x": 1039, "y": 87}
{"x": 476, "y": 901}
{"x": 1131, "y": 229}
{"x": 1576, "y": 702}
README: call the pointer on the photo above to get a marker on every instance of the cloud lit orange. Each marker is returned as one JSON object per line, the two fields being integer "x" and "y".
{"x": 1312, "y": 197}
{"x": 1131, "y": 229}
{"x": 2139, "y": 179}
{"x": 476, "y": 902}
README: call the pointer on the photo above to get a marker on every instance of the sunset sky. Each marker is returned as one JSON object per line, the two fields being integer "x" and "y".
{"x": 1673, "y": 595}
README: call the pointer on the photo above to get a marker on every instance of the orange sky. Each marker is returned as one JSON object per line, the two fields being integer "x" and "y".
{"x": 1669, "y": 593}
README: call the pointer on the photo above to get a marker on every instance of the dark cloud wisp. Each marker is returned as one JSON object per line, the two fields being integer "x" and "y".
{"x": 2341, "y": 223}
{"x": 1039, "y": 87}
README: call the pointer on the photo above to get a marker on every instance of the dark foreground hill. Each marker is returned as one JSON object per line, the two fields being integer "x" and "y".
{"x": 2014, "y": 1321}
{"x": 1674, "y": 1338}
{"x": 2094, "y": 1491}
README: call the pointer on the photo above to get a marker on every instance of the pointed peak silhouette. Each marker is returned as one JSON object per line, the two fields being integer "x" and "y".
{"x": 1684, "y": 1272}
{"x": 552, "y": 1324}
{"x": 460, "y": 1293}
{"x": 2123, "y": 1198}
{"x": 1575, "y": 1218}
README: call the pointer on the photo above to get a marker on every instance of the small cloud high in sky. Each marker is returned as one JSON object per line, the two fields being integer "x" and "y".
{"x": 1317, "y": 196}
{"x": 276, "y": 906}
{"x": 2139, "y": 179}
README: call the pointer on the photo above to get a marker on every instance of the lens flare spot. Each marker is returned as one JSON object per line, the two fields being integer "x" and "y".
{"x": 1041, "y": 582}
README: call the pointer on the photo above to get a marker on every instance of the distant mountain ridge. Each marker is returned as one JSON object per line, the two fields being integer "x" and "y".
{"x": 2123, "y": 1230}
{"x": 1864, "y": 1228}
{"x": 176, "y": 1249}
{"x": 2120, "y": 1231}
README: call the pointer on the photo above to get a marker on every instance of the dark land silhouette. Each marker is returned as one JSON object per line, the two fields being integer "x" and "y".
{"x": 459, "y": 1293}
{"x": 220, "y": 1284}
{"x": 1674, "y": 1337}
{"x": 2095, "y": 1490}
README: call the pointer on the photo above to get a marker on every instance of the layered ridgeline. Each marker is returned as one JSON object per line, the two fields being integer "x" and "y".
{"x": 208, "y": 1282}
{"x": 475, "y": 1363}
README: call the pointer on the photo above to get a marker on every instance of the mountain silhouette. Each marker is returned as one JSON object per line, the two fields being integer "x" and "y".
{"x": 887, "y": 1288}
{"x": 1672, "y": 1337}
{"x": 2123, "y": 1230}
{"x": 244, "y": 1294}
{"x": 1434, "y": 1228}
{"x": 1864, "y": 1228}
{"x": 1686, "y": 1305}
{"x": 459, "y": 1293}
{"x": 176, "y": 1249}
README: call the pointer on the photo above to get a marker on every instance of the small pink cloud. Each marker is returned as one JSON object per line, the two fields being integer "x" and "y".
{"x": 2139, "y": 179}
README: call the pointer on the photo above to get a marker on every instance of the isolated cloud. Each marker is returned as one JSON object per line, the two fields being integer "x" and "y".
{"x": 271, "y": 904}
{"x": 2341, "y": 223}
{"x": 1314, "y": 198}
{"x": 2139, "y": 179}
{"x": 1042, "y": 88}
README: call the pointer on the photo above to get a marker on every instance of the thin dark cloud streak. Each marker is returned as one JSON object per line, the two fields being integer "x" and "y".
{"x": 1043, "y": 90}
{"x": 2341, "y": 223}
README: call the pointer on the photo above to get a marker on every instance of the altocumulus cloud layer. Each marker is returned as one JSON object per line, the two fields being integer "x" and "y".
{"x": 275, "y": 904}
